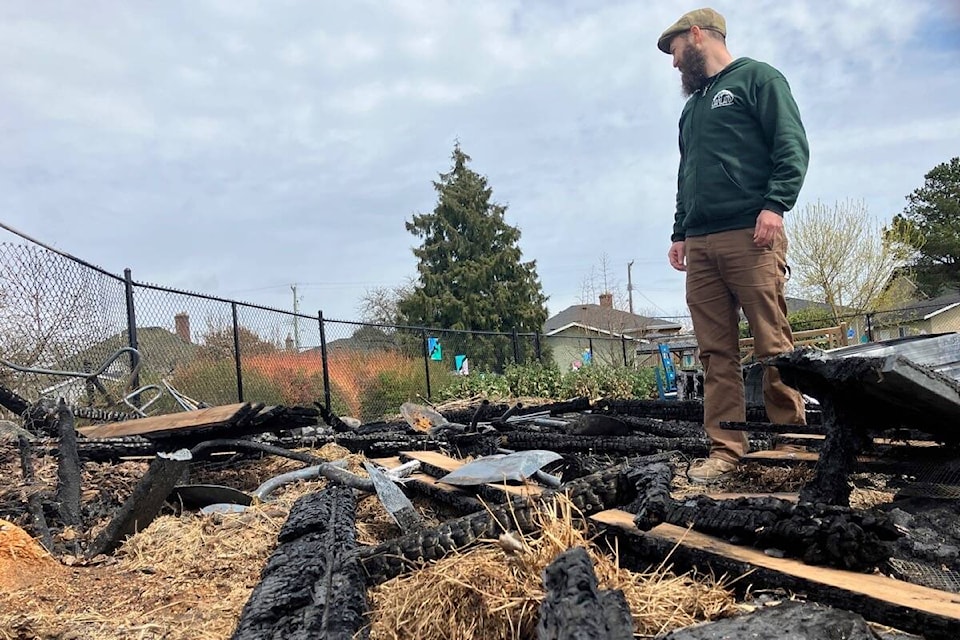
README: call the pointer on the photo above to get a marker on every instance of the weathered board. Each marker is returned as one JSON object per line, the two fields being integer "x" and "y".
{"x": 155, "y": 425}
{"x": 886, "y": 600}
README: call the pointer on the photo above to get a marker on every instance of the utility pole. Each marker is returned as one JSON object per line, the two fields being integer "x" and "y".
{"x": 630, "y": 285}
{"x": 296, "y": 319}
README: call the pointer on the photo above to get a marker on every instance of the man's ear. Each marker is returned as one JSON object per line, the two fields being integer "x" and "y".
{"x": 696, "y": 34}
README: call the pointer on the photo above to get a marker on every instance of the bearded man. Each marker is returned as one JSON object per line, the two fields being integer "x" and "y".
{"x": 743, "y": 157}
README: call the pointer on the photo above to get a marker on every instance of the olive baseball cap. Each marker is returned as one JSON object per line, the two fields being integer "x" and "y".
{"x": 705, "y": 18}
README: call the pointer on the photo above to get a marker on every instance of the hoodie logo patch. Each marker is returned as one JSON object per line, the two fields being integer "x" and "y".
{"x": 722, "y": 99}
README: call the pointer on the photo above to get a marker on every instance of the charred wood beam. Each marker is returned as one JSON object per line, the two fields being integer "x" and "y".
{"x": 35, "y": 498}
{"x": 860, "y": 395}
{"x": 312, "y": 585}
{"x": 145, "y": 502}
{"x": 457, "y": 500}
{"x": 574, "y": 608}
{"x": 630, "y": 445}
{"x": 819, "y": 534}
{"x": 686, "y": 410}
{"x": 837, "y": 455}
{"x": 795, "y": 620}
{"x": 102, "y": 449}
{"x": 68, "y": 469}
{"x": 491, "y": 411}
{"x": 377, "y": 445}
{"x": 769, "y": 427}
{"x": 662, "y": 428}
{"x": 12, "y": 401}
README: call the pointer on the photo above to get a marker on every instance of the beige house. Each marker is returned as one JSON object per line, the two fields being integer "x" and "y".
{"x": 598, "y": 333}
{"x": 936, "y": 315}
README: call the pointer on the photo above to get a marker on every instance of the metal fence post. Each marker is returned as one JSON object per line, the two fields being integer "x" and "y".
{"x": 590, "y": 348}
{"x": 536, "y": 346}
{"x": 869, "y": 327}
{"x": 623, "y": 345}
{"x": 236, "y": 351}
{"x": 516, "y": 347}
{"x": 426, "y": 358}
{"x": 324, "y": 362}
{"x": 131, "y": 325}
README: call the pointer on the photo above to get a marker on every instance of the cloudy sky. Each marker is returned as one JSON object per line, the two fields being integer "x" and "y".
{"x": 235, "y": 148}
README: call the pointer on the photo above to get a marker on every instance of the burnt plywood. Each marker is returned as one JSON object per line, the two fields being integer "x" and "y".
{"x": 890, "y": 391}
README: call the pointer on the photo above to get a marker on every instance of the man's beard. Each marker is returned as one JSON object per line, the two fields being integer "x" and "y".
{"x": 693, "y": 71}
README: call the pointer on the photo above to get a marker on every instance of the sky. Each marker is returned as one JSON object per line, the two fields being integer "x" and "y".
{"x": 236, "y": 148}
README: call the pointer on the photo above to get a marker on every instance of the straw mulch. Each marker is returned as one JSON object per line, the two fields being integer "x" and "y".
{"x": 493, "y": 592}
{"x": 183, "y": 578}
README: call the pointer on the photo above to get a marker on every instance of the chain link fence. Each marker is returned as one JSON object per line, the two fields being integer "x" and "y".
{"x": 63, "y": 319}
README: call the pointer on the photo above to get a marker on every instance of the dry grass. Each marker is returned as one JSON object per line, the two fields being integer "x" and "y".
{"x": 182, "y": 578}
{"x": 488, "y": 592}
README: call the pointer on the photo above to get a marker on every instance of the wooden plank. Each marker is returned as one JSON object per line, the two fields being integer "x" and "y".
{"x": 878, "y": 587}
{"x": 781, "y": 456}
{"x": 879, "y": 441}
{"x": 387, "y": 463}
{"x": 435, "y": 459}
{"x": 209, "y": 417}
{"x": 449, "y": 464}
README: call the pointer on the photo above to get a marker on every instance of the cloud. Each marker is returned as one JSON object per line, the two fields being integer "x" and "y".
{"x": 241, "y": 145}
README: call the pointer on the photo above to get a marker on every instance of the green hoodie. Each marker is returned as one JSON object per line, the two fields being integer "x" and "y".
{"x": 742, "y": 149}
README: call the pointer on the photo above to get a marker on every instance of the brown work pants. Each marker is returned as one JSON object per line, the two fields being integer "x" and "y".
{"x": 726, "y": 272}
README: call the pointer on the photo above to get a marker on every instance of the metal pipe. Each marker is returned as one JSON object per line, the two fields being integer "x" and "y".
{"x": 131, "y": 329}
{"x": 324, "y": 362}
{"x": 236, "y": 352}
{"x": 426, "y": 358}
{"x": 328, "y": 470}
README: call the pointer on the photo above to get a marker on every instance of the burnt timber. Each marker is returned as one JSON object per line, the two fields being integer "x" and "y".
{"x": 859, "y": 394}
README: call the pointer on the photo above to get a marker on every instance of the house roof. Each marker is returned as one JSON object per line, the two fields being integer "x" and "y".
{"x": 161, "y": 350}
{"x": 605, "y": 320}
{"x": 921, "y": 310}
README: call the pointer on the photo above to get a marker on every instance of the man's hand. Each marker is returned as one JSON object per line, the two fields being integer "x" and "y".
{"x": 678, "y": 256}
{"x": 769, "y": 225}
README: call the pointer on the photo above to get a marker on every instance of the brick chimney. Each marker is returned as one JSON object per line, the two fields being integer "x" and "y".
{"x": 182, "y": 323}
{"x": 606, "y": 300}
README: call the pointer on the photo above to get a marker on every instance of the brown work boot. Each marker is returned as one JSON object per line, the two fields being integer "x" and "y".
{"x": 710, "y": 470}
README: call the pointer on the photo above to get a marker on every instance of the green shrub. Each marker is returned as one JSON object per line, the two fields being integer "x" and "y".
{"x": 386, "y": 392}
{"x": 484, "y": 384}
{"x": 535, "y": 380}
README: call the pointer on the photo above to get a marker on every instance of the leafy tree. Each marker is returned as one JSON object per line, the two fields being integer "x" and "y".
{"x": 470, "y": 271}
{"x": 812, "y": 317}
{"x": 217, "y": 343}
{"x": 841, "y": 256}
{"x": 932, "y": 222}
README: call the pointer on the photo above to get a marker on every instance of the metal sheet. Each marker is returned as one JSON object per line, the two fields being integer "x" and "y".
{"x": 939, "y": 352}
{"x": 397, "y": 504}
{"x": 195, "y": 496}
{"x": 500, "y": 468}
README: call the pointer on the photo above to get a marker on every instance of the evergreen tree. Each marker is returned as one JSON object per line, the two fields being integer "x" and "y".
{"x": 471, "y": 273}
{"x": 933, "y": 213}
